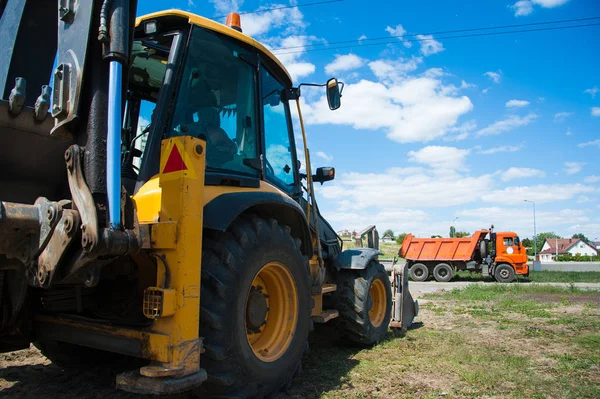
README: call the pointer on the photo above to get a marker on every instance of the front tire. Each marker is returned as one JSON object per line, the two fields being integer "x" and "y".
{"x": 364, "y": 300}
{"x": 255, "y": 308}
{"x": 504, "y": 273}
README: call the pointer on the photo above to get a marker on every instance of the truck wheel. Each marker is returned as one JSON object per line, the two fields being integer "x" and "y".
{"x": 442, "y": 272}
{"x": 364, "y": 300}
{"x": 255, "y": 307}
{"x": 504, "y": 273}
{"x": 419, "y": 272}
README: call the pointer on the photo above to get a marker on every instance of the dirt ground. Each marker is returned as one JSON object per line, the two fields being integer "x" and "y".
{"x": 526, "y": 344}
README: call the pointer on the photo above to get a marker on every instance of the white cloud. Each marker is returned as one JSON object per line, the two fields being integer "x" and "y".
{"x": 289, "y": 19}
{"x": 525, "y": 7}
{"x": 592, "y": 179}
{"x": 593, "y": 91}
{"x": 362, "y": 37}
{"x": 507, "y": 124}
{"x": 387, "y": 190}
{"x": 406, "y": 108}
{"x": 569, "y": 132}
{"x": 399, "y": 32}
{"x": 495, "y": 76}
{"x": 191, "y": 3}
{"x": 323, "y": 155}
{"x": 522, "y": 8}
{"x": 391, "y": 71}
{"x": 562, "y": 116}
{"x": 293, "y": 62}
{"x": 439, "y": 157}
{"x": 484, "y": 91}
{"x": 461, "y": 132}
{"x": 429, "y": 45}
{"x": 519, "y": 173}
{"x": 226, "y": 6}
{"x": 344, "y": 63}
{"x": 595, "y": 111}
{"x": 572, "y": 168}
{"x": 589, "y": 143}
{"x": 540, "y": 193}
{"x": 504, "y": 148}
{"x": 549, "y": 3}
{"x": 583, "y": 199}
{"x": 517, "y": 103}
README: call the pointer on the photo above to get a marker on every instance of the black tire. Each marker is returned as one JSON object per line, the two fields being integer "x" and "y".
{"x": 353, "y": 300}
{"x": 230, "y": 261}
{"x": 442, "y": 272}
{"x": 419, "y": 272}
{"x": 483, "y": 249}
{"x": 504, "y": 273}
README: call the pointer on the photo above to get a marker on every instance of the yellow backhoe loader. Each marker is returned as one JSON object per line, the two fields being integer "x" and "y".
{"x": 152, "y": 204}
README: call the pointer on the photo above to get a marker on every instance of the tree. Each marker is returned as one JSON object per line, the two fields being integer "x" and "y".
{"x": 527, "y": 243}
{"x": 461, "y": 234}
{"x": 581, "y": 237}
{"x": 391, "y": 233}
{"x": 400, "y": 238}
{"x": 452, "y": 232}
{"x": 436, "y": 236}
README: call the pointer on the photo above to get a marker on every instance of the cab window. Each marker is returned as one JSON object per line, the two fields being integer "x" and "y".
{"x": 216, "y": 102}
{"x": 279, "y": 158}
{"x": 508, "y": 242}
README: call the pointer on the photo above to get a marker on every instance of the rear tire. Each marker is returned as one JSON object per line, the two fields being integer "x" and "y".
{"x": 249, "y": 275}
{"x": 364, "y": 300}
{"x": 442, "y": 272}
{"x": 504, "y": 273}
{"x": 419, "y": 272}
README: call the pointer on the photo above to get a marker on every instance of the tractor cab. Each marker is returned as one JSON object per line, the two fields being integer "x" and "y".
{"x": 509, "y": 249}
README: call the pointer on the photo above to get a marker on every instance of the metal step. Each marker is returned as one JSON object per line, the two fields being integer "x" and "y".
{"x": 326, "y": 316}
{"x": 327, "y": 288}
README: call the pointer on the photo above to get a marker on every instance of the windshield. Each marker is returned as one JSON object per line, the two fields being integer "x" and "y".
{"x": 216, "y": 102}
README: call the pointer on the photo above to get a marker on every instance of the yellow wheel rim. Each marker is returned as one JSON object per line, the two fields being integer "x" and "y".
{"x": 378, "y": 303}
{"x": 271, "y": 312}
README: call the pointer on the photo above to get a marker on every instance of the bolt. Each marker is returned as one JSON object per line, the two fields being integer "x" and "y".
{"x": 68, "y": 225}
{"x": 83, "y": 228}
{"x": 50, "y": 213}
{"x": 84, "y": 240}
{"x": 199, "y": 149}
{"x": 259, "y": 287}
{"x": 267, "y": 296}
{"x": 68, "y": 155}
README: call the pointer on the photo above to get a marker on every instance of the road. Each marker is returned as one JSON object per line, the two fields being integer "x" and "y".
{"x": 553, "y": 266}
{"x": 571, "y": 266}
{"x": 417, "y": 289}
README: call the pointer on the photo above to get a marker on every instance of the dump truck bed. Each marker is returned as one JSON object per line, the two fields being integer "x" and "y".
{"x": 440, "y": 249}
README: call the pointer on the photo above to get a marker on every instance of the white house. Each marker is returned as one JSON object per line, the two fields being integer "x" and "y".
{"x": 559, "y": 246}
{"x": 387, "y": 238}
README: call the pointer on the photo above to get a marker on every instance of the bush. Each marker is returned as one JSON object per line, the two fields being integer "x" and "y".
{"x": 576, "y": 258}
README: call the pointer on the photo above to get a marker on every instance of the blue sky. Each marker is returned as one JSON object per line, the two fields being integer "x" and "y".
{"x": 440, "y": 128}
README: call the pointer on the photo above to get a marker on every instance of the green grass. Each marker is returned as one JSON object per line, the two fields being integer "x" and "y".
{"x": 502, "y": 341}
{"x": 564, "y": 277}
{"x": 389, "y": 249}
{"x": 540, "y": 277}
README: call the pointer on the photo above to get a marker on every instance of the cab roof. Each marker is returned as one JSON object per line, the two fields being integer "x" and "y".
{"x": 219, "y": 28}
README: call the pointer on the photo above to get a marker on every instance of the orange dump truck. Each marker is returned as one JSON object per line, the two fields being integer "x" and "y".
{"x": 499, "y": 255}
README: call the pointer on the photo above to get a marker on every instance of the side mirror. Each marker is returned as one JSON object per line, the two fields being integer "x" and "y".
{"x": 324, "y": 174}
{"x": 334, "y": 94}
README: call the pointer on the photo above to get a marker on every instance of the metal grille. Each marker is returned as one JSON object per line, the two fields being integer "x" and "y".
{"x": 153, "y": 303}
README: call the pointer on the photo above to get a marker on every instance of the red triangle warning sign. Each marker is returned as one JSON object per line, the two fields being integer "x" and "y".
{"x": 174, "y": 162}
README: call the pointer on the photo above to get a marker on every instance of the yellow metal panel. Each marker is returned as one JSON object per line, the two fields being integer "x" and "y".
{"x": 164, "y": 235}
{"x": 219, "y": 28}
{"x": 148, "y": 199}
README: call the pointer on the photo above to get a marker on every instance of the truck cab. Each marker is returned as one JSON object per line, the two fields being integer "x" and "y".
{"x": 509, "y": 250}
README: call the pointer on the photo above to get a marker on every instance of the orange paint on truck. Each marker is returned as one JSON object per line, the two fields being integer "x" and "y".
{"x": 465, "y": 253}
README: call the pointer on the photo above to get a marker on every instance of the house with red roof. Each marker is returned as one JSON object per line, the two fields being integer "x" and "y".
{"x": 563, "y": 246}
